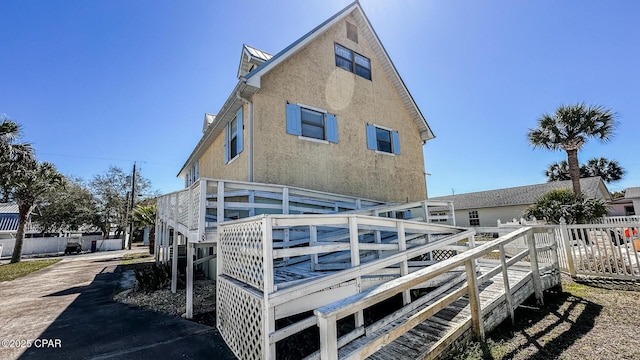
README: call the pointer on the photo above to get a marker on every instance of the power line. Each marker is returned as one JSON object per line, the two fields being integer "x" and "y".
{"x": 107, "y": 159}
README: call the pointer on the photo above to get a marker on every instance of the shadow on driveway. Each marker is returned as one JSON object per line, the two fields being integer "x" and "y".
{"x": 94, "y": 326}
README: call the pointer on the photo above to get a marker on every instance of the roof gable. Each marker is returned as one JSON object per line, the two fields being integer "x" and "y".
{"x": 253, "y": 78}
{"x": 250, "y": 82}
{"x": 593, "y": 188}
{"x": 250, "y": 59}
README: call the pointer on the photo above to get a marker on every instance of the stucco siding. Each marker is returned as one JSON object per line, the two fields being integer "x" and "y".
{"x": 212, "y": 165}
{"x": 311, "y": 77}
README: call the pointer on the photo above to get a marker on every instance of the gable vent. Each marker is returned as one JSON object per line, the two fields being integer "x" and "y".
{"x": 352, "y": 32}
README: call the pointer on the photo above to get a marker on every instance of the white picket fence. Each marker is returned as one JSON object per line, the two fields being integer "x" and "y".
{"x": 52, "y": 245}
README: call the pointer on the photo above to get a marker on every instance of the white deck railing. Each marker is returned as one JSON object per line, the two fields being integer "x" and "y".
{"x": 328, "y": 315}
{"x": 265, "y": 274}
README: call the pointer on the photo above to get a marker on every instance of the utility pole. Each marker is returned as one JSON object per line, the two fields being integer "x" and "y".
{"x": 133, "y": 196}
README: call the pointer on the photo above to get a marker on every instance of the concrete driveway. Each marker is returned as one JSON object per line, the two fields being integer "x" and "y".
{"x": 65, "y": 311}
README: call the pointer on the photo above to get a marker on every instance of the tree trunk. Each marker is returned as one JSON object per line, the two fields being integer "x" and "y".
{"x": 574, "y": 171}
{"x": 23, "y": 215}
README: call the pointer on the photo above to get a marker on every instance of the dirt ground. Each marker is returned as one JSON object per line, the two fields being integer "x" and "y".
{"x": 592, "y": 319}
{"x": 586, "y": 320}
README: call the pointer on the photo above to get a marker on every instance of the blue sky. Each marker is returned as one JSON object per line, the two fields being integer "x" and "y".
{"x": 109, "y": 82}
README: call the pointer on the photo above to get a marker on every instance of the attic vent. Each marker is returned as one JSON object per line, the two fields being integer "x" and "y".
{"x": 352, "y": 32}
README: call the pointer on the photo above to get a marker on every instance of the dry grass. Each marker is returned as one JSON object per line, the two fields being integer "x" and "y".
{"x": 595, "y": 321}
{"x": 10, "y": 272}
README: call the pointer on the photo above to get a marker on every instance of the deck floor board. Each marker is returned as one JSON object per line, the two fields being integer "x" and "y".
{"x": 419, "y": 341}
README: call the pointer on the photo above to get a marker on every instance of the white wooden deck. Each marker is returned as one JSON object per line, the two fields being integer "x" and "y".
{"x": 431, "y": 337}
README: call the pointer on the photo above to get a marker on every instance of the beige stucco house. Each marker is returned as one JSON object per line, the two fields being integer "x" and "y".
{"x": 329, "y": 113}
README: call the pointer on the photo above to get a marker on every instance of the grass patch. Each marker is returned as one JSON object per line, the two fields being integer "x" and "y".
{"x": 9, "y": 272}
{"x": 136, "y": 258}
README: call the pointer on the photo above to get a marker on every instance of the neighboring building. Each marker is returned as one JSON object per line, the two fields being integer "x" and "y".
{"x": 329, "y": 113}
{"x": 632, "y": 195}
{"x": 8, "y": 220}
{"x": 485, "y": 208}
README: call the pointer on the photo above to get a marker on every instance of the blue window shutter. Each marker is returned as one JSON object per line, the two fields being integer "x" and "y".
{"x": 372, "y": 143}
{"x": 240, "y": 126}
{"x": 395, "y": 142}
{"x": 294, "y": 125}
{"x": 226, "y": 144}
{"x": 332, "y": 128}
{"x": 407, "y": 215}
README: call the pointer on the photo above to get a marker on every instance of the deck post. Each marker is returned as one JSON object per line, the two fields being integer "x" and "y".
{"x": 174, "y": 250}
{"x": 425, "y": 210}
{"x": 355, "y": 261}
{"x": 189, "y": 291}
{"x": 328, "y": 338}
{"x": 404, "y": 266}
{"x": 507, "y": 287}
{"x": 202, "y": 212}
{"x": 220, "y": 204}
{"x": 564, "y": 233}
{"x": 285, "y": 211}
{"x": 477, "y": 321}
{"x": 554, "y": 254}
{"x": 535, "y": 270}
{"x": 174, "y": 266}
{"x": 269, "y": 320}
{"x": 313, "y": 240}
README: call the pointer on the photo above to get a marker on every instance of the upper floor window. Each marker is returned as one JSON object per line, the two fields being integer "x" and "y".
{"x": 233, "y": 143}
{"x": 383, "y": 139}
{"x": 192, "y": 175}
{"x": 311, "y": 123}
{"x": 353, "y": 62}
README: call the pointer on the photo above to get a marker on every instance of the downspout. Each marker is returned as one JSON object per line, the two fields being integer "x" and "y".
{"x": 249, "y": 136}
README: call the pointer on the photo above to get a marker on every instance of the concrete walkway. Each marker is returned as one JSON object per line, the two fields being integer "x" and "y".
{"x": 65, "y": 311}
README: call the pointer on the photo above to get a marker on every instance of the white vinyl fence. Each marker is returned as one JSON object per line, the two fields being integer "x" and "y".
{"x": 52, "y": 245}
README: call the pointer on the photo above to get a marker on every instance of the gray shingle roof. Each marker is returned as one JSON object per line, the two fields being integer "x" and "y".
{"x": 592, "y": 187}
{"x": 631, "y": 193}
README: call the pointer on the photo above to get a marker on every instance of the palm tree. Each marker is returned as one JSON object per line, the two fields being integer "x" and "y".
{"x": 11, "y": 153}
{"x": 558, "y": 171}
{"x": 569, "y": 128}
{"x": 608, "y": 170}
{"x": 30, "y": 182}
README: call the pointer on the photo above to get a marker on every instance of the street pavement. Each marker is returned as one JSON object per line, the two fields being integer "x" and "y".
{"x": 66, "y": 311}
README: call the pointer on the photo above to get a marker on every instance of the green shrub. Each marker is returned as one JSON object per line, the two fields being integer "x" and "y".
{"x": 154, "y": 277}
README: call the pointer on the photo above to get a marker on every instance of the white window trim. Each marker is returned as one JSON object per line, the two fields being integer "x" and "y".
{"x": 312, "y": 108}
{"x": 383, "y": 127}
{"x": 305, "y": 138}
{"x": 234, "y": 159}
{"x": 384, "y": 153}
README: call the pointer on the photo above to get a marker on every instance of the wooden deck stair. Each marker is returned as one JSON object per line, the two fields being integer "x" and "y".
{"x": 431, "y": 337}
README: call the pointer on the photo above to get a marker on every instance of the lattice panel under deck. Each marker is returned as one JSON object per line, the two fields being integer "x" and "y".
{"x": 240, "y": 319}
{"x": 195, "y": 206}
{"x": 183, "y": 209}
{"x": 439, "y": 255}
{"x": 241, "y": 252}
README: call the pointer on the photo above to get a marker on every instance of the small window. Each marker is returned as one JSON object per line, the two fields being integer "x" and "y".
{"x": 474, "y": 219}
{"x": 233, "y": 138}
{"x": 352, "y": 32}
{"x": 383, "y": 140}
{"x": 233, "y": 143}
{"x": 311, "y": 123}
{"x": 353, "y": 62}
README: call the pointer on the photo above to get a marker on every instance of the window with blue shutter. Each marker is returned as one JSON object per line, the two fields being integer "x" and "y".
{"x": 383, "y": 140}
{"x": 311, "y": 123}
{"x": 233, "y": 142}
